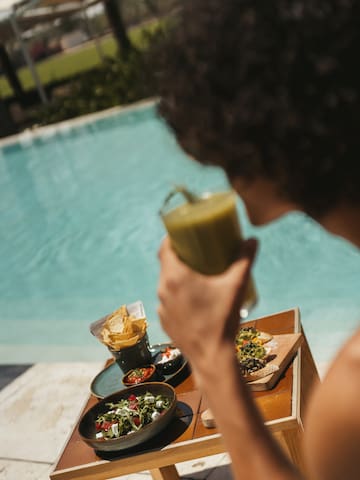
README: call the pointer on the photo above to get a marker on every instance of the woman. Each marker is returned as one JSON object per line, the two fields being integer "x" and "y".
{"x": 269, "y": 91}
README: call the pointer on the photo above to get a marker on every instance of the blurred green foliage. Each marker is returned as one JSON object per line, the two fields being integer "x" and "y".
{"x": 117, "y": 81}
{"x": 70, "y": 64}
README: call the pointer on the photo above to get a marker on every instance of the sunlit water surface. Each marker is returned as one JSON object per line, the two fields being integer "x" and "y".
{"x": 80, "y": 232}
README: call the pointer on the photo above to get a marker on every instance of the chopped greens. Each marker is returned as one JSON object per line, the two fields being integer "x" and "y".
{"x": 246, "y": 334}
{"x": 251, "y": 357}
{"x": 251, "y": 350}
{"x": 130, "y": 415}
{"x": 250, "y": 365}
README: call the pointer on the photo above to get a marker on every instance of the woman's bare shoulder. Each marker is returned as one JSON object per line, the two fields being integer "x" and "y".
{"x": 347, "y": 363}
{"x": 332, "y": 425}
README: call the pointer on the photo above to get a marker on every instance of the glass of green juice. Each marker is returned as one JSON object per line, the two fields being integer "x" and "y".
{"x": 205, "y": 233}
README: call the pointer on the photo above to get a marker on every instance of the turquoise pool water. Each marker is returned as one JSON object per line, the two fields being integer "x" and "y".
{"x": 80, "y": 232}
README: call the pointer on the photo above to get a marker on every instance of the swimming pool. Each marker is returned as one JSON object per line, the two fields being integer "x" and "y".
{"x": 80, "y": 232}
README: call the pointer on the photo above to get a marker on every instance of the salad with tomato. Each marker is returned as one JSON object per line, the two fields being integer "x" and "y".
{"x": 130, "y": 415}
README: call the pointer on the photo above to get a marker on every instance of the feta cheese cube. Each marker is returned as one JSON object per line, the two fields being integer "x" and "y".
{"x": 149, "y": 398}
{"x": 155, "y": 415}
{"x": 115, "y": 429}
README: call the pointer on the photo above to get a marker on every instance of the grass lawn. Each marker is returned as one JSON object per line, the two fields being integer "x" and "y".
{"x": 65, "y": 65}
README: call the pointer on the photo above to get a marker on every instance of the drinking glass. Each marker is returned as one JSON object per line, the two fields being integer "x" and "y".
{"x": 205, "y": 233}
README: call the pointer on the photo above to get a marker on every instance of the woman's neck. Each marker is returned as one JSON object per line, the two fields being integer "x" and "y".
{"x": 344, "y": 221}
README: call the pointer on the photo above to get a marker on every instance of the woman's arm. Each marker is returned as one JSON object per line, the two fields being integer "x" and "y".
{"x": 254, "y": 453}
{"x": 332, "y": 434}
{"x": 200, "y": 313}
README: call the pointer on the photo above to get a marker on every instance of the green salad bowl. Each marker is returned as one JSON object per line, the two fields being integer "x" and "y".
{"x": 87, "y": 425}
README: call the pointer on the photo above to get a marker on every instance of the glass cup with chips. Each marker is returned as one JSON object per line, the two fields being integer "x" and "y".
{"x": 135, "y": 356}
{"x": 124, "y": 333}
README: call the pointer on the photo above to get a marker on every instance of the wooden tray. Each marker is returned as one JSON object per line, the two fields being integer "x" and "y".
{"x": 284, "y": 348}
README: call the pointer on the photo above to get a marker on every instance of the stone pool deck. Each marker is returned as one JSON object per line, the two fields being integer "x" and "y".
{"x": 40, "y": 404}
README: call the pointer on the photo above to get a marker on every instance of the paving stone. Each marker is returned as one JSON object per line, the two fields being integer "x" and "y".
{"x": 39, "y": 409}
{"x": 203, "y": 468}
{"x": 15, "y": 470}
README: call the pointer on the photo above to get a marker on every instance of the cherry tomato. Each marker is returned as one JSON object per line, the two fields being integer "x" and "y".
{"x": 107, "y": 425}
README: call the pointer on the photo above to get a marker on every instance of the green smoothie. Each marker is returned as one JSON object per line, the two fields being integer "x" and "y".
{"x": 205, "y": 234}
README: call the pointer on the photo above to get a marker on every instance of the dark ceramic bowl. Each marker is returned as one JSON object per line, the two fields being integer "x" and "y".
{"x": 169, "y": 366}
{"x": 148, "y": 377}
{"x": 87, "y": 428}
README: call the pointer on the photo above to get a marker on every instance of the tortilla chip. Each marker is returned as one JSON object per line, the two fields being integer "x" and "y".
{"x": 265, "y": 337}
{"x": 121, "y": 330}
{"x": 125, "y": 343}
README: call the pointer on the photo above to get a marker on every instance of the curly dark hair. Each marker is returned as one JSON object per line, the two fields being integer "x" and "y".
{"x": 269, "y": 88}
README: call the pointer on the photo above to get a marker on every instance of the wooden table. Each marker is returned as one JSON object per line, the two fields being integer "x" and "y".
{"x": 187, "y": 439}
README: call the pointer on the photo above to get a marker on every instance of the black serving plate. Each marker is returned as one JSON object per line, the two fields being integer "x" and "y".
{"x": 87, "y": 428}
{"x": 109, "y": 380}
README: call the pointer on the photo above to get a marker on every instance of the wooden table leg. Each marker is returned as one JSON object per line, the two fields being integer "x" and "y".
{"x": 291, "y": 442}
{"x": 309, "y": 377}
{"x": 165, "y": 473}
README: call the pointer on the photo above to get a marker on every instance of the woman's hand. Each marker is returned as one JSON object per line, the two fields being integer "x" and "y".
{"x": 200, "y": 312}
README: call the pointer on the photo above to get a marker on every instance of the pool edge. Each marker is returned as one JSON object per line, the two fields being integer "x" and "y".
{"x": 77, "y": 121}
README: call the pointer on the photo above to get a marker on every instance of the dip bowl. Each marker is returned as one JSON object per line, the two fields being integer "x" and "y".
{"x": 146, "y": 373}
{"x": 168, "y": 360}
